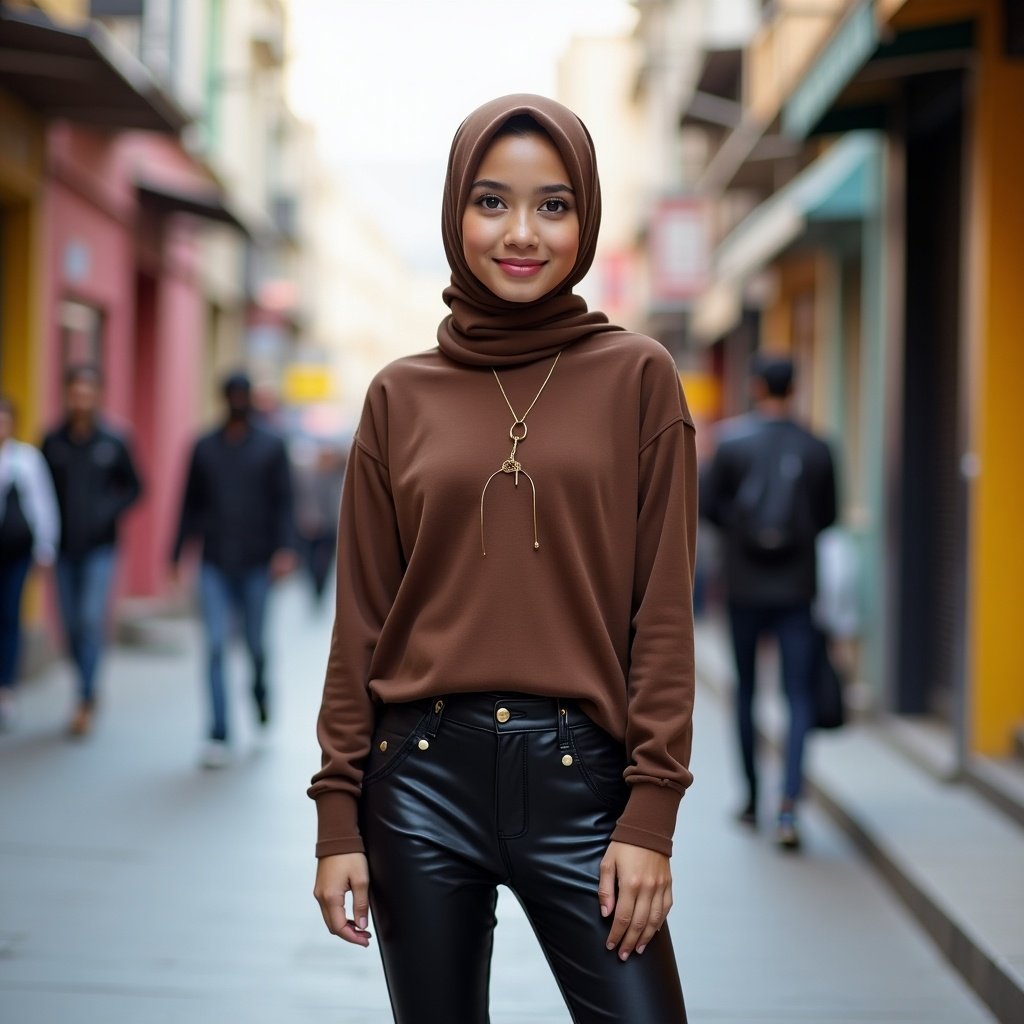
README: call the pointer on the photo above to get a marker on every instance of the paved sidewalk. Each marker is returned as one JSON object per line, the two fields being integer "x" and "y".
{"x": 135, "y": 887}
{"x": 955, "y": 860}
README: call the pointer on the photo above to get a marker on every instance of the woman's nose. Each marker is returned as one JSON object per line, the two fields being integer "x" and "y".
{"x": 521, "y": 231}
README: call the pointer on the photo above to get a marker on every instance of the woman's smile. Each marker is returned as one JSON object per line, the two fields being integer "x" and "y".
{"x": 520, "y": 268}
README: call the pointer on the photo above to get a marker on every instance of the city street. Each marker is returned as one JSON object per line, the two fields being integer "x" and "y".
{"x": 136, "y": 887}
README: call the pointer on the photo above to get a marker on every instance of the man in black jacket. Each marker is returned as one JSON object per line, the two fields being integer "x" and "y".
{"x": 238, "y": 503}
{"x": 95, "y": 480}
{"x": 770, "y": 488}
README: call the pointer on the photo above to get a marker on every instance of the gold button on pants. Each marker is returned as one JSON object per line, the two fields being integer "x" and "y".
{"x": 502, "y": 715}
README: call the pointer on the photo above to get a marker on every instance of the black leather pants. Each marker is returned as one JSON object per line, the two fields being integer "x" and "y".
{"x": 464, "y": 793}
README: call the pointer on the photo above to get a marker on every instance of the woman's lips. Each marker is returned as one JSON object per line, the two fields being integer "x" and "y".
{"x": 520, "y": 268}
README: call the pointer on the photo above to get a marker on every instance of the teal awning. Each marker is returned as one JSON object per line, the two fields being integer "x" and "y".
{"x": 857, "y": 43}
{"x": 842, "y": 185}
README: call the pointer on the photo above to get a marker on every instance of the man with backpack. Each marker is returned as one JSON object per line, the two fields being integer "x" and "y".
{"x": 770, "y": 488}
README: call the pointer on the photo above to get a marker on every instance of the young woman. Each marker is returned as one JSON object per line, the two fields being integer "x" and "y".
{"x": 510, "y": 682}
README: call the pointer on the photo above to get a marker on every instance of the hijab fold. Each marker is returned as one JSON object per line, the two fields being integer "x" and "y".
{"x": 482, "y": 328}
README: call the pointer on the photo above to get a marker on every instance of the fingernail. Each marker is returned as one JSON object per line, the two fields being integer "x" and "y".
{"x": 611, "y": 945}
{"x": 363, "y": 923}
{"x": 624, "y": 957}
{"x": 605, "y": 911}
{"x": 640, "y": 949}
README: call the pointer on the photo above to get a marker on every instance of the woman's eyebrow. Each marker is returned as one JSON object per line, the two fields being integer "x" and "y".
{"x": 500, "y": 186}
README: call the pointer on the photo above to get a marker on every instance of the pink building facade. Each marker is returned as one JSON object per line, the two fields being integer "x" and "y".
{"x": 121, "y": 288}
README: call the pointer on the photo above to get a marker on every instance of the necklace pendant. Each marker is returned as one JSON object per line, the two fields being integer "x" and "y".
{"x": 511, "y": 466}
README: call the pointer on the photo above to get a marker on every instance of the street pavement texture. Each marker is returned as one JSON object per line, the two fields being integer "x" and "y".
{"x": 137, "y": 887}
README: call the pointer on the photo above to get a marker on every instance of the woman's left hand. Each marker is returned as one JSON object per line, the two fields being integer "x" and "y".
{"x": 643, "y": 880}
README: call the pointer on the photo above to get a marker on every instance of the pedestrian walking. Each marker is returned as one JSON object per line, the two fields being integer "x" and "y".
{"x": 509, "y": 689}
{"x": 318, "y": 473}
{"x": 770, "y": 488}
{"x": 96, "y": 482}
{"x": 29, "y": 530}
{"x": 238, "y": 505}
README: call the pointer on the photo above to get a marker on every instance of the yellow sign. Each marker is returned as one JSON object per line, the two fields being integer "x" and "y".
{"x": 703, "y": 394}
{"x": 304, "y": 383}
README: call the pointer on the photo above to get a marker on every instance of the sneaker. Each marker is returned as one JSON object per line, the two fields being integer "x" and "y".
{"x": 748, "y": 816}
{"x": 216, "y": 754}
{"x": 81, "y": 722}
{"x": 786, "y": 834}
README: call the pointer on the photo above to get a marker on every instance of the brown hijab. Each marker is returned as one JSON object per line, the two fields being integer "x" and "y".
{"x": 483, "y": 329}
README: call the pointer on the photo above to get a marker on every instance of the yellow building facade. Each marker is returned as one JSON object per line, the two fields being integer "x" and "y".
{"x": 21, "y": 167}
{"x": 904, "y": 345}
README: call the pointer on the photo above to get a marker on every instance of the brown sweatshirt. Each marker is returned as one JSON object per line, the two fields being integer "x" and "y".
{"x": 601, "y": 612}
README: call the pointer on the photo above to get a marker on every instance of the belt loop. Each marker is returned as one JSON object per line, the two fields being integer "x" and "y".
{"x": 563, "y": 726}
{"x": 435, "y": 718}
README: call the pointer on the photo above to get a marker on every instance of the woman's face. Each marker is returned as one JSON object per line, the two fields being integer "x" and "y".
{"x": 520, "y": 229}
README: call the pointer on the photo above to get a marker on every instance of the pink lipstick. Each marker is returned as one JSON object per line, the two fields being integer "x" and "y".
{"x": 520, "y": 268}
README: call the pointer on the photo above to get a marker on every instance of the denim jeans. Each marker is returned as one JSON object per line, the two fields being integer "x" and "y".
{"x": 794, "y": 630}
{"x": 84, "y": 587}
{"x": 224, "y": 596}
{"x": 12, "y": 583}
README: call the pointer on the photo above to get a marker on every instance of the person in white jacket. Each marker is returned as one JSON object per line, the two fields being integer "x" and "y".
{"x": 29, "y": 531}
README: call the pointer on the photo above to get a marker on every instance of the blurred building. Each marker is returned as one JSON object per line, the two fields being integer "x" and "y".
{"x": 854, "y": 166}
{"x": 595, "y": 79}
{"x": 152, "y": 185}
{"x": 368, "y": 306}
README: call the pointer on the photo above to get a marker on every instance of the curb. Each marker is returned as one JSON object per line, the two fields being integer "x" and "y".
{"x": 980, "y": 968}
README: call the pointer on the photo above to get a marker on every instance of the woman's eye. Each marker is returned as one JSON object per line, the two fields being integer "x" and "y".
{"x": 554, "y": 206}
{"x": 489, "y": 202}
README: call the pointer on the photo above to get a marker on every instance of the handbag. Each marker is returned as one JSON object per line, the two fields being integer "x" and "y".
{"x": 16, "y": 538}
{"x": 829, "y": 705}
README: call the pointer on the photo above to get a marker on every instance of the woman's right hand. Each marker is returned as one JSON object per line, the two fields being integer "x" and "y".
{"x": 336, "y": 877}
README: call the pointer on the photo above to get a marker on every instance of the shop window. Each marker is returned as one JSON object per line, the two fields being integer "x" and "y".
{"x": 81, "y": 333}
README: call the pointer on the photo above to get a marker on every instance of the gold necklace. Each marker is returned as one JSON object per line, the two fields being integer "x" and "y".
{"x": 517, "y": 432}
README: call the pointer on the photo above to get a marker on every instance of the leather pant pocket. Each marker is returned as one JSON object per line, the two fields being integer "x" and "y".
{"x": 601, "y": 760}
{"x": 399, "y": 728}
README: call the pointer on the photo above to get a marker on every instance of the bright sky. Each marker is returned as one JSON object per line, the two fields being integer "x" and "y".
{"x": 386, "y": 83}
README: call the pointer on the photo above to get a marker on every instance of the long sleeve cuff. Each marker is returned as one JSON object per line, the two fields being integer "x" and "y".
{"x": 649, "y": 819}
{"x": 337, "y": 825}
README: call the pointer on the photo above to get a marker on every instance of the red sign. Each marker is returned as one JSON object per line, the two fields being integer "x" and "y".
{"x": 678, "y": 250}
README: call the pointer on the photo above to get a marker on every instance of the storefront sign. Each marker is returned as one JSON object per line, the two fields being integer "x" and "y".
{"x": 678, "y": 250}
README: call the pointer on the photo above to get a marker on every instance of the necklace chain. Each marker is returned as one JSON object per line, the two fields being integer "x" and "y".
{"x": 511, "y": 465}
{"x": 522, "y": 419}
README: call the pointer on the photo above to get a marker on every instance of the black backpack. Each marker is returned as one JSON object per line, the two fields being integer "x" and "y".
{"x": 15, "y": 532}
{"x": 773, "y": 518}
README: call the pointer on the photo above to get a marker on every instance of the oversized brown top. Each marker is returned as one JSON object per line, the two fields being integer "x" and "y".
{"x": 600, "y": 613}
